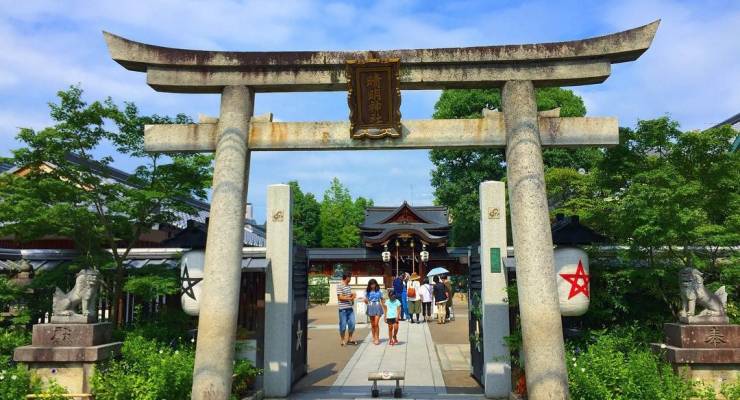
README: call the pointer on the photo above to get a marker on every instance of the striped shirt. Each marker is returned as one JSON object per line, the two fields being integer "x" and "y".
{"x": 344, "y": 290}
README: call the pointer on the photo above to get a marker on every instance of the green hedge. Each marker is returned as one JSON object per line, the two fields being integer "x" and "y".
{"x": 318, "y": 289}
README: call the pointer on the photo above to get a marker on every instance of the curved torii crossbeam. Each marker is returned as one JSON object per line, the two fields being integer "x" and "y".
{"x": 577, "y": 62}
{"x": 517, "y": 69}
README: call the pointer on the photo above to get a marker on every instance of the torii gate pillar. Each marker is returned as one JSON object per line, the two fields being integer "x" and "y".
{"x": 214, "y": 353}
{"x": 542, "y": 333}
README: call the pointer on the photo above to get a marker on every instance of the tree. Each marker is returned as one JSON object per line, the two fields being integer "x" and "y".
{"x": 457, "y": 173}
{"x": 68, "y": 192}
{"x": 341, "y": 216}
{"x": 664, "y": 188}
{"x": 306, "y": 217}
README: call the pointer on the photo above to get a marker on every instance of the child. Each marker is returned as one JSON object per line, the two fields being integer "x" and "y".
{"x": 374, "y": 299}
{"x": 392, "y": 308}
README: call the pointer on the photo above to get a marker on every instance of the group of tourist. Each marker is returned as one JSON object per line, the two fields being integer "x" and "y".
{"x": 407, "y": 300}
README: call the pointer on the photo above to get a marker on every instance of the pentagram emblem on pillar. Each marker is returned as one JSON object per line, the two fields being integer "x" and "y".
{"x": 374, "y": 97}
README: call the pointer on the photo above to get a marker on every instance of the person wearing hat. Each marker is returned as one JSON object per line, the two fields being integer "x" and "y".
{"x": 414, "y": 298}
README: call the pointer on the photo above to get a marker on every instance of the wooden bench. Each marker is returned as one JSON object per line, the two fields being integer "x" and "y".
{"x": 397, "y": 376}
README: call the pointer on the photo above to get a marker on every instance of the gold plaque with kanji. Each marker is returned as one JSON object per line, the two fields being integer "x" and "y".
{"x": 374, "y": 98}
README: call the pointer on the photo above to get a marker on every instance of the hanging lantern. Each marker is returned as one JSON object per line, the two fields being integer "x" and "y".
{"x": 572, "y": 274}
{"x": 424, "y": 255}
{"x": 191, "y": 273}
{"x": 386, "y": 254}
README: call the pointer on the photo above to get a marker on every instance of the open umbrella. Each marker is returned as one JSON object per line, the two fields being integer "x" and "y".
{"x": 438, "y": 271}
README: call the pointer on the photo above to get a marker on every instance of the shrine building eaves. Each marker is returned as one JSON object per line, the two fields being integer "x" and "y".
{"x": 577, "y": 62}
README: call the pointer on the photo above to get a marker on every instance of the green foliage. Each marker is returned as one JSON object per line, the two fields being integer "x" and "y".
{"x": 619, "y": 365}
{"x": 458, "y": 173}
{"x": 10, "y": 338}
{"x": 340, "y": 216}
{"x": 306, "y": 217}
{"x": 663, "y": 187}
{"x": 731, "y": 391}
{"x": 150, "y": 370}
{"x": 11, "y": 299}
{"x": 244, "y": 374}
{"x": 318, "y": 289}
{"x": 147, "y": 370}
{"x": 76, "y": 199}
{"x": 152, "y": 281}
{"x": 168, "y": 327}
{"x": 16, "y": 382}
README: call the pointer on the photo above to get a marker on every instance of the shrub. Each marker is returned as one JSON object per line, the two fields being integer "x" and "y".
{"x": 244, "y": 374}
{"x": 169, "y": 327}
{"x": 15, "y": 381}
{"x": 618, "y": 365}
{"x": 10, "y": 339}
{"x": 147, "y": 370}
{"x": 318, "y": 289}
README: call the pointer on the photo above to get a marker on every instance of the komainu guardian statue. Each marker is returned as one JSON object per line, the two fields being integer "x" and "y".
{"x": 83, "y": 295}
{"x": 693, "y": 293}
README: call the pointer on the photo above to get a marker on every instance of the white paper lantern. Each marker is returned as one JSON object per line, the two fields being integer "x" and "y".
{"x": 572, "y": 275}
{"x": 191, "y": 275}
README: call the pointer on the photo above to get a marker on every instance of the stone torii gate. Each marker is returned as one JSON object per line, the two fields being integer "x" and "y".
{"x": 518, "y": 69}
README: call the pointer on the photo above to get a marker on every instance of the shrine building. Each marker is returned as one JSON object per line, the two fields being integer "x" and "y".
{"x": 406, "y": 238}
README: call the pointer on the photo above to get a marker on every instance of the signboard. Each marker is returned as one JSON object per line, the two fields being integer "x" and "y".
{"x": 495, "y": 260}
{"x": 374, "y": 97}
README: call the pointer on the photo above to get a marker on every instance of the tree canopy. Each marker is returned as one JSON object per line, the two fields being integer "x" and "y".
{"x": 67, "y": 191}
{"x": 306, "y": 217}
{"x": 341, "y": 216}
{"x": 457, "y": 173}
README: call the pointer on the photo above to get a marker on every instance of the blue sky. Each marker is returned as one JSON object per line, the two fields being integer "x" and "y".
{"x": 691, "y": 72}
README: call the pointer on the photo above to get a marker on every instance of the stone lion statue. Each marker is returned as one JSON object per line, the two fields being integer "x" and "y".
{"x": 693, "y": 292}
{"x": 84, "y": 294}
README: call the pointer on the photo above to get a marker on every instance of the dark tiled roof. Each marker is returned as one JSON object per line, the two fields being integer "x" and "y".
{"x": 729, "y": 121}
{"x": 4, "y": 167}
{"x": 436, "y": 217}
{"x": 569, "y": 231}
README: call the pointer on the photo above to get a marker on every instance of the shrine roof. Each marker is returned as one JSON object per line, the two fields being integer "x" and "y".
{"x": 570, "y": 231}
{"x": 427, "y": 217}
{"x": 420, "y": 232}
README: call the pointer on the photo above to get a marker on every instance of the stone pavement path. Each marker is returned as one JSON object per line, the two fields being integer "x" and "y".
{"x": 415, "y": 354}
{"x": 454, "y": 357}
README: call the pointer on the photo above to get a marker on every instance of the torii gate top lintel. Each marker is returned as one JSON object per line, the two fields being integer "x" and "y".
{"x": 577, "y": 62}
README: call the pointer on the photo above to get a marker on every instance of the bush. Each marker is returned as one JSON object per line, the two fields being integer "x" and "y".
{"x": 618, "y": 365}
{"x": 318, "y": 289}
{"x": 169, "y": 327}
{"x": 147, "y": 370}
{"x": 10, "y": 339}
{"x": 244, "y": 374}
{"x": 15, "y": 381}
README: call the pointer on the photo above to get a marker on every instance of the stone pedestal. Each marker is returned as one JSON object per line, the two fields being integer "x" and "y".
{"x": 67, "y": 353}
{"x": 710, "y": 353}
{"x": 333, "y": 283}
